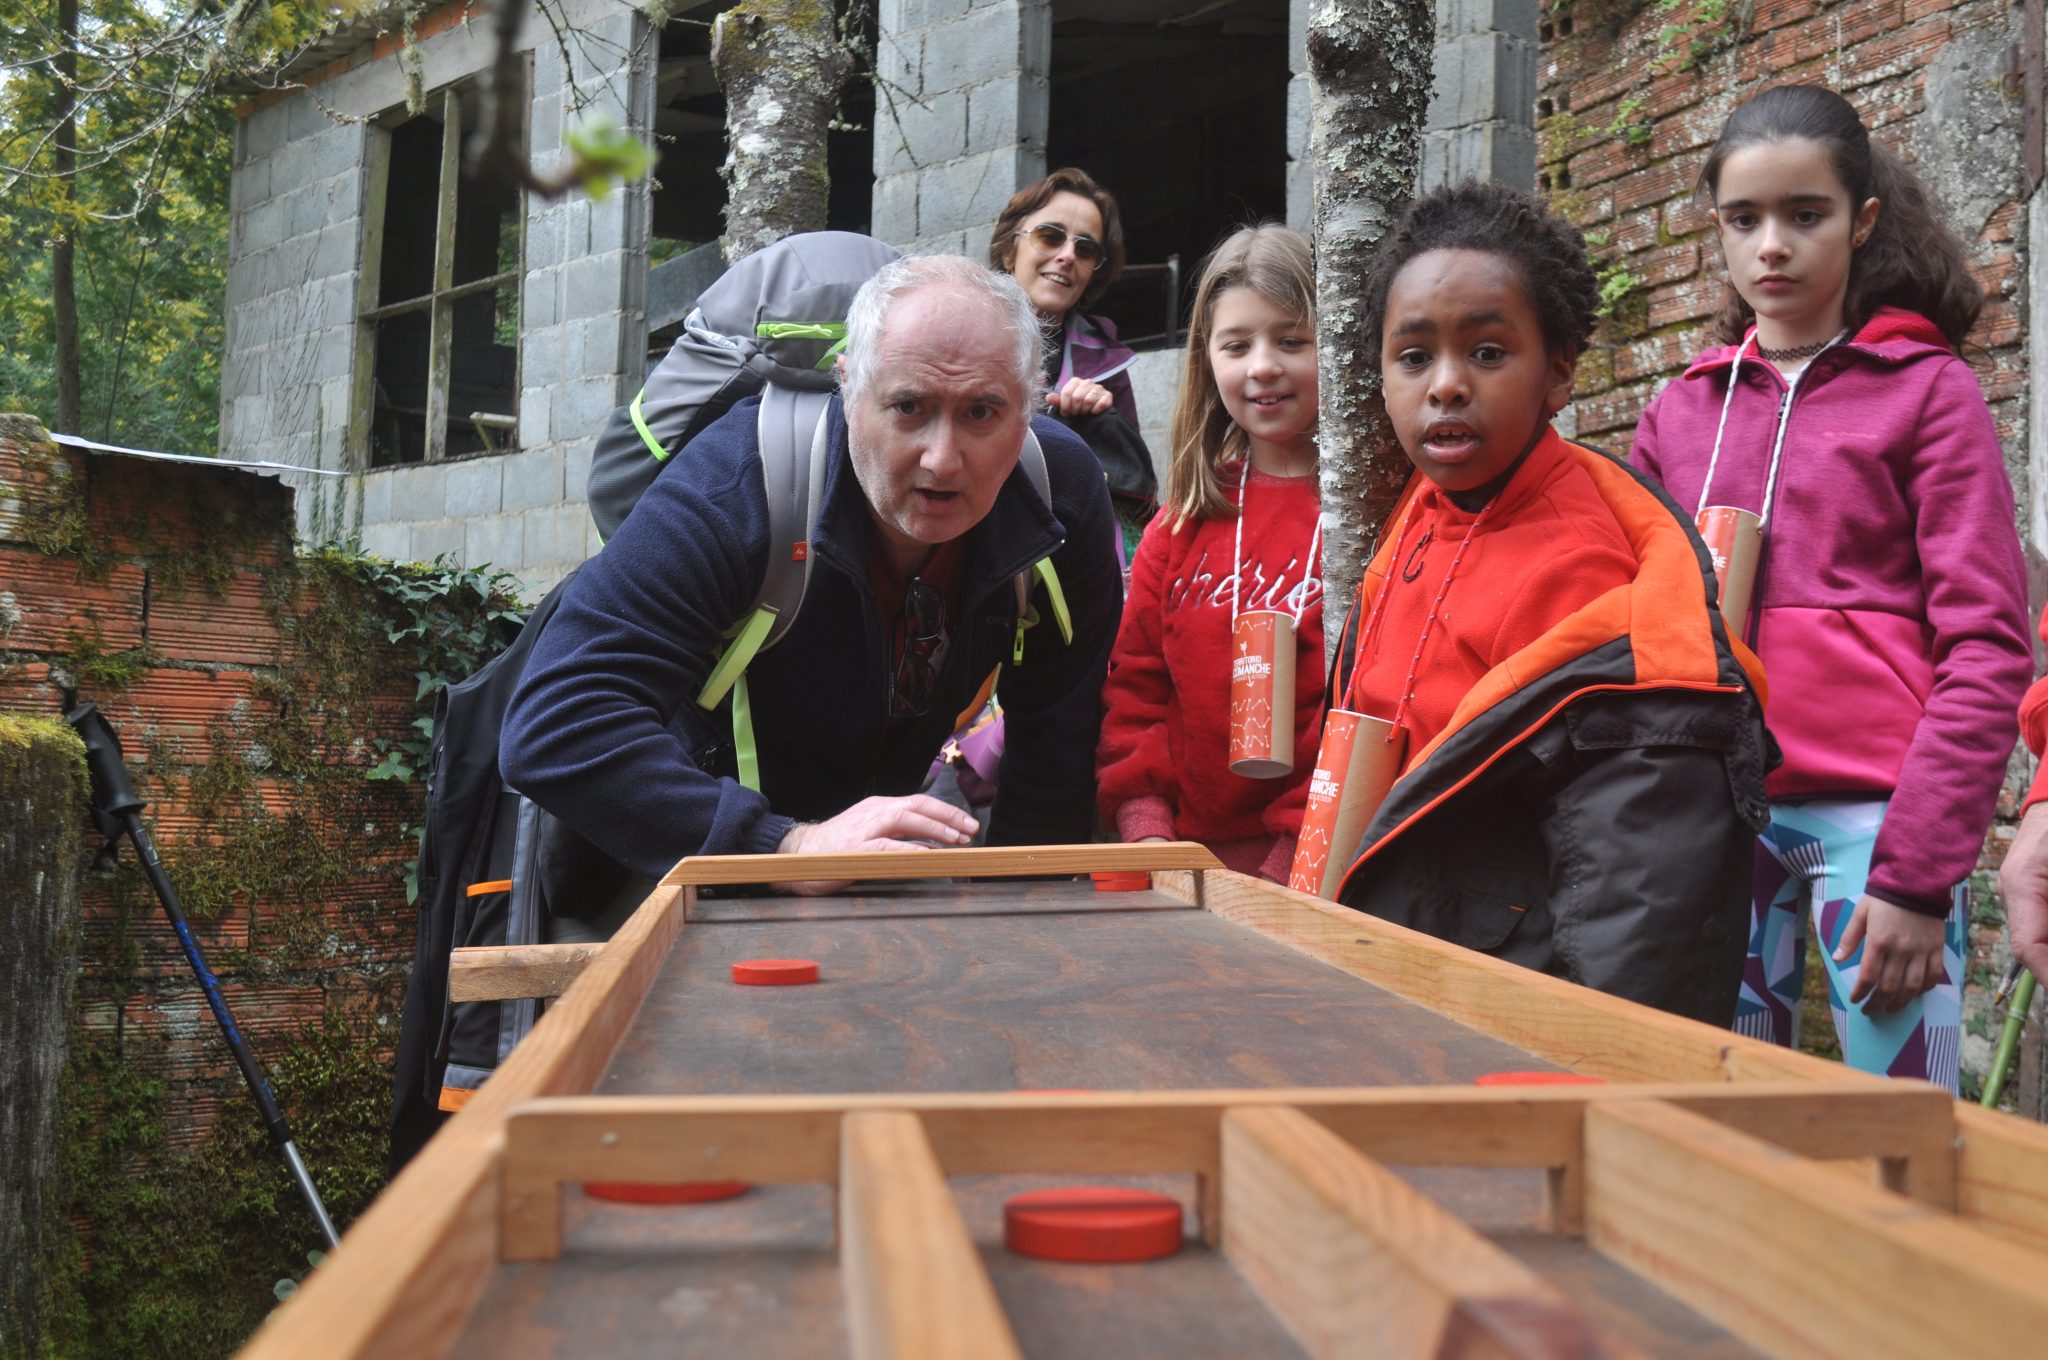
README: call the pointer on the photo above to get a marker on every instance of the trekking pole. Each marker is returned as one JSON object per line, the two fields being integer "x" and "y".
{"x": 2009, "y": 1037}
{"x": 117, "y": 811}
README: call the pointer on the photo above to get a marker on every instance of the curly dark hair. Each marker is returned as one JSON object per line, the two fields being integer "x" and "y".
{"x": 1547, "y": 250}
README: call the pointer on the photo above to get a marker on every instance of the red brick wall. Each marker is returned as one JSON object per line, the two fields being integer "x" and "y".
{"x": 247, "y": 688}
{"x": 1632, "y": 97}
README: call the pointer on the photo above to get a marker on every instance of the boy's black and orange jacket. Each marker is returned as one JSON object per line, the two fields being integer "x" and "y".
{"x": 1591, "y": 808}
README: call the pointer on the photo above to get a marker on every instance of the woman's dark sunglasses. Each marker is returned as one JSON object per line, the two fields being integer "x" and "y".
{"x": 1052, "y": 236}
{"x": 922, "y": 626}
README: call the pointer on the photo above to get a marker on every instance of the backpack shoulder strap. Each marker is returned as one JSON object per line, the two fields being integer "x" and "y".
{"x": 792, "y": 439}
{"x": 1032, "y": 459}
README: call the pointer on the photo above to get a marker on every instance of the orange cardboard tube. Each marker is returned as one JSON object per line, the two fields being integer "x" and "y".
{"x": 1357, "y": 765}
{"x": 1262, "y": 694}
{"x": 1735, "y": 538}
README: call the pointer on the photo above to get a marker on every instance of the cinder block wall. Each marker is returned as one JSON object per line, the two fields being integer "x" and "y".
{"x": 298, "y": 209}
{"x": 960, "y": 119}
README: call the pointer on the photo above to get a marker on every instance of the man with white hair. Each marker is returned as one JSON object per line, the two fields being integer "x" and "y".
{"x": 911, "y": 606}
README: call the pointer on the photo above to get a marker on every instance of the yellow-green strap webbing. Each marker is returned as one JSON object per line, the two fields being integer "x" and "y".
{"x": 730, "y": 673}
{"x": 747, "y": 758}
{"x": 646, "y": 435}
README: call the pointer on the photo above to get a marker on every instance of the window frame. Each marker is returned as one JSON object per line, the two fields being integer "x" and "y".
{"x": 439, "y": 301}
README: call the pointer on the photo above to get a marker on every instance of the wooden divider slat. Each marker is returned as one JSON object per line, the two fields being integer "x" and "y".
{"x": 970, "y": 862}
{"x": 1357, "y": 1262}
{"x": 516, "y": 971}
{"x": 914, "y": 1282}
{"x": 1793, "y": 1258}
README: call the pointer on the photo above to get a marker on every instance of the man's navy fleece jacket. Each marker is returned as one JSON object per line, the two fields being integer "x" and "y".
{"x": 604, "y": 730}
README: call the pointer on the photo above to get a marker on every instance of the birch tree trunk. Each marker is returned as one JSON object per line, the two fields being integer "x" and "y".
{"x": 1369, "y": 65}
{"x": 63, "y": 290}
{"x": 781, "y": 65}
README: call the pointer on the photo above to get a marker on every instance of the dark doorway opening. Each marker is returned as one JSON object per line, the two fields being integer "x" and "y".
{"x": 1179, "y": 108}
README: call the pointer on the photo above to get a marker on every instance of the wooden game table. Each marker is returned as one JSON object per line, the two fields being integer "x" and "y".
{"x": 1301, "y": 1076}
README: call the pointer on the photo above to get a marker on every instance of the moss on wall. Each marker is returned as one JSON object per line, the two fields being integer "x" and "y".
{"x": 166, "y": 1251}
{"x": 179, "y": 1253}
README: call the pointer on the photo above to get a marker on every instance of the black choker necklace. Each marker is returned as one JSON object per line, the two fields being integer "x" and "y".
{"x": 1780, "y": 356}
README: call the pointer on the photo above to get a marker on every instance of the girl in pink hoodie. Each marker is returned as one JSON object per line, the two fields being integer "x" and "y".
{"x": 1889, "y": 599}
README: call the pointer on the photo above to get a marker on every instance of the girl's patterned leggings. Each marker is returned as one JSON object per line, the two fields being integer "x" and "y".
{"x": 1811, "y": 863}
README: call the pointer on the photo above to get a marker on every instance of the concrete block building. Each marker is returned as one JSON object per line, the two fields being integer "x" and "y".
{"x": 456, "y": 344}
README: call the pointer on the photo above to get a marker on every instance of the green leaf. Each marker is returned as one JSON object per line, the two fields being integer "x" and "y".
{"x": 606, "y": 153}
{"x": 393, "y": 766}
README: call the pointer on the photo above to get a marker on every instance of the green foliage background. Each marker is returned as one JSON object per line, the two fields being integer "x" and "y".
{"x": 150, "y": 221}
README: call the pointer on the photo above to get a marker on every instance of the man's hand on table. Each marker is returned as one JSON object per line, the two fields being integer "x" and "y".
{"x": 913, "y": 823}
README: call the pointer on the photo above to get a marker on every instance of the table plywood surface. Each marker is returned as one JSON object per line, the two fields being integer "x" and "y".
{"x": 1004, "y": 986}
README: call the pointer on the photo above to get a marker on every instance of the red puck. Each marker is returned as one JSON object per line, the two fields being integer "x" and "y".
{"x": 1120, "y": 881}
{"x": 664, "y": 1192}
{"x": 774, "y": 972}
{"x": 1536, "y": 1079}
{"x": 1093, "y": 1223}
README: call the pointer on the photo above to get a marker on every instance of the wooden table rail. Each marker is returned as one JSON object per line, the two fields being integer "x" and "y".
{"x": 973, "y": 862}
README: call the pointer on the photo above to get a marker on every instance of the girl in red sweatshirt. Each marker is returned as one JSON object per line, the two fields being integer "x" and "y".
{"x": 1240, "y": 530}
{"x": 1889, "y": 608}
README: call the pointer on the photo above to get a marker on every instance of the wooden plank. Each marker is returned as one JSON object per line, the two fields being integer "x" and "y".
{"x": 1357, "y": 1262}
{"x": 1577, "y": 1028}
{"x": 915, "y": 1287}
{"x": 2002, "y": 1177}
{"x": 794, "y": 1139}
{"x": 406, "y": 1275}
{"x": 514, "y": 972}
{"x": 971, "y": 862}
{"x": 1796, "y": 1259}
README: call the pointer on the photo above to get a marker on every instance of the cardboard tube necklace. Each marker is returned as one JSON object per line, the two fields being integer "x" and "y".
{"x": 1357, "y": 764}
{"x": 1262, "y": 657}
{"x": 1734, "y": 536}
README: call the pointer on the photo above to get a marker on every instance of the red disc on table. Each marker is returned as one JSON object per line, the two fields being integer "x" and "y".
{"x": 1094, "y": 1223}
{"x": 1536, "y": 1079}
{"x": 664, "y": 1192}
{"x": 1122, "y": 881}
{"x": 774, "y": 972}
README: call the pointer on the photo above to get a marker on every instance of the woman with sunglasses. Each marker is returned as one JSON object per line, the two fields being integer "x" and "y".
{"x": 1062, "y": 239}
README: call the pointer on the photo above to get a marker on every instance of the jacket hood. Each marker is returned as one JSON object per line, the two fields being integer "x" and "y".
{"x": 1892, "y": 335}
{"x": 1091, "y": 349}
{"x": 1671, "y": 635}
